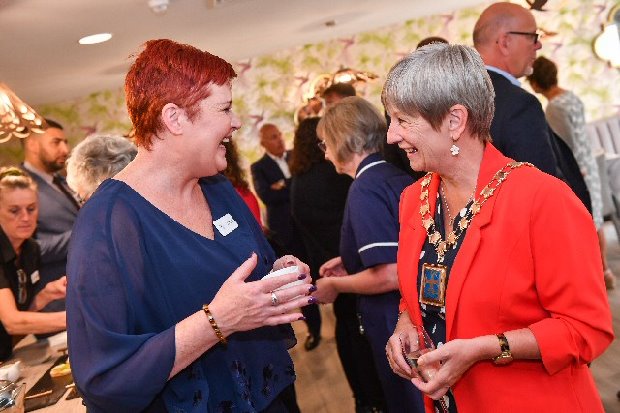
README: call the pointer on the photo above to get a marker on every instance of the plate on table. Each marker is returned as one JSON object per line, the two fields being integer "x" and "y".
{"x": 48, "y": 390}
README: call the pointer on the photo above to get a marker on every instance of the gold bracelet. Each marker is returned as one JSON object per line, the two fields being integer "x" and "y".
{"x": 217, "y": 330}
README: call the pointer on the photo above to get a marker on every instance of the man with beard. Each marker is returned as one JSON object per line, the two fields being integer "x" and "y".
{"x": 45, "y": 156}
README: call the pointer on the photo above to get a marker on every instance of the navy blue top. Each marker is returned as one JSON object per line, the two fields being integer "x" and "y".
{"x": 369, "y": 233}
{"x": 133, "y": 274}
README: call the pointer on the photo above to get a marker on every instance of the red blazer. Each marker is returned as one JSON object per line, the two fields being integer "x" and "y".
{"x": 530, "y": 258}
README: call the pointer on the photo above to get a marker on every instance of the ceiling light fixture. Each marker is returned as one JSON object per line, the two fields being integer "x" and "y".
{"x": 607, "y": 44}
{"x": 159, "y": 6}
{"x": 95, "y": 38}
{"x": 17, "y": 118}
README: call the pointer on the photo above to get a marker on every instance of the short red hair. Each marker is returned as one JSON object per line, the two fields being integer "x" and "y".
{"x": 170, "y": 72}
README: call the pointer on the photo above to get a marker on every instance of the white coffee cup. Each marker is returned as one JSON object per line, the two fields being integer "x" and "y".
{"x": 284, "y": 271}
{"x": 11, "y": 372}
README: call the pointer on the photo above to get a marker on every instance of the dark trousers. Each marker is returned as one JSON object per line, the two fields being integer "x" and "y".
{"x": 379, "y": 316}
{"x": 313, "y": 319}
{"x": 356, "y": 354}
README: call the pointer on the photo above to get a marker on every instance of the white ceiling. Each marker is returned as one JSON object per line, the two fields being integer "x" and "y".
{"x": 42, "y": 61}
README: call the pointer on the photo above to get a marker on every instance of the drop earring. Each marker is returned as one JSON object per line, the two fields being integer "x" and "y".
{"x": 454, "y": 150}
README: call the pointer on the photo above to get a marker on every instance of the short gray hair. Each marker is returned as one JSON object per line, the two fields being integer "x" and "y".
{"x": 97, "y": 158}
{"x": 429, "y": 81}
{"x": 352, "y": 126}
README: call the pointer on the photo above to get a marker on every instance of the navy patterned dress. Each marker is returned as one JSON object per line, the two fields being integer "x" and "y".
{"x": 433, "y": 317}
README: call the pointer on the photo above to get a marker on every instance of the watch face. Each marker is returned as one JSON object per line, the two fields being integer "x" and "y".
{"x": 503, "y": 358}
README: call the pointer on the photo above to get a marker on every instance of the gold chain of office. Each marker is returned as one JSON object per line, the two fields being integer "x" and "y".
{"x": 434, "y": 237}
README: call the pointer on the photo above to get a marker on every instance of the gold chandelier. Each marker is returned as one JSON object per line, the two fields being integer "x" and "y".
{"x": 312, "y": 103}
{"x": 17, "y": 118}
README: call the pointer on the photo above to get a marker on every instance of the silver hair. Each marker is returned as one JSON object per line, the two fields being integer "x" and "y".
{"x": 352, "y": 126}
{"x": 432, "y": 79}
{"x": 97, "y": 158}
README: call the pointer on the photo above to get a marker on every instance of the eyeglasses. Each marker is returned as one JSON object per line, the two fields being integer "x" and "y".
{"x": 322, "y": 146}
{"x": 535, "y": 36}
{"x": 22, "y": 293}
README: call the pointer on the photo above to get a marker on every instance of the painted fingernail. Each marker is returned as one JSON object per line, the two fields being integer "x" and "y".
{"x": 302, "y": 318}
{"x": 311, "y": 300}
{"x": 301, "y": 276}
{"x": 312, "y": 289}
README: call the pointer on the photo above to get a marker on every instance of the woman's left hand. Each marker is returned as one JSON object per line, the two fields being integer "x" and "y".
{"x": 456, "y": 356}
{"x": 289, "y": 261}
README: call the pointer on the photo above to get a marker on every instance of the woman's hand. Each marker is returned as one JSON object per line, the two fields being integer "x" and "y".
{"x": 456, "y": 357}
{"x": 242, "y": 306}
{"x": 326, "y": 291}
{"x": 404, "y": 337}
{"x": 333, "y": 268}
{"x": 289, "y": 261}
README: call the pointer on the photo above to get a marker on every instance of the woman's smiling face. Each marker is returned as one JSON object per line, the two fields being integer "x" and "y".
{"x": 424, "y": 146}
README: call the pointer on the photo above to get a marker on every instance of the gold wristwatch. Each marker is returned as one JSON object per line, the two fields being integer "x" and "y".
{"x": 505, "y": 356}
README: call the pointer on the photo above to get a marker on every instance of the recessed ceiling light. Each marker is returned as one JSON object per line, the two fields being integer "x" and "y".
{"x": 95, "y": 38}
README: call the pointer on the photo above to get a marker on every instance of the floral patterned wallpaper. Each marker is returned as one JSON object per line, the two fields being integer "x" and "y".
{"x": 270, "y": 88}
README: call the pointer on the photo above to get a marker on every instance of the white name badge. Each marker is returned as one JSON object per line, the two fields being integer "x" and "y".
{"x": 226, "y": 224}
{"x": 35, "y": 277}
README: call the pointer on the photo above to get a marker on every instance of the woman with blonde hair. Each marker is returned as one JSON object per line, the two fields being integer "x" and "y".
{"x": 20, "y": 257}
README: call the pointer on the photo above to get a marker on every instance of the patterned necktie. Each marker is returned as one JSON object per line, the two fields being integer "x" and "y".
{"x": 60, "y": 183}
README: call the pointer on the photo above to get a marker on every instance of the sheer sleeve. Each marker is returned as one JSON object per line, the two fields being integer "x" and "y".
{"x": 117, "y": 364}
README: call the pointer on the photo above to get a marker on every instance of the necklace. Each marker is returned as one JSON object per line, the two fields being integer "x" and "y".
{"x": 447, "y": 207}
{"x": 434, "y": 237}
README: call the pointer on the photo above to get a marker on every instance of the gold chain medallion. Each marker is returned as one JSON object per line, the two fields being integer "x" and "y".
{"x": 434, "y": 237}
{"x": 433, "y": 284}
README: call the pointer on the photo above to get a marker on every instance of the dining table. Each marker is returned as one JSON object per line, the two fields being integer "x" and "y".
{"x": 37, "y": 357}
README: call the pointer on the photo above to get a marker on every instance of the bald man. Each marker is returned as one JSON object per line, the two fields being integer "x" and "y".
{"x": 272, "y": 177}
{"x": 506, "y": 37}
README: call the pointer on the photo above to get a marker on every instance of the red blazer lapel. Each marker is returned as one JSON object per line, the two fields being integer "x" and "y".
{"x": 492, "y": 161}
{"x": 409, "y": 260}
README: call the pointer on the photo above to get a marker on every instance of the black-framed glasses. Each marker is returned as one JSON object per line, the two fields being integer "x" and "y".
{"x": 534, "y": 35}
{"x": 322, "y": 146}
{"x": 22, "y": 293}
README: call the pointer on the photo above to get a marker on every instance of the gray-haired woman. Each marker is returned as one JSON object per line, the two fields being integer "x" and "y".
{"x": 497, "y": 260}
{"x": 95, "y": 159}
{"x": 354, "y": 131}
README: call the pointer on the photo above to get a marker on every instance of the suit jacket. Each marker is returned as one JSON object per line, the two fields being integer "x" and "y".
{"x": 56, "y": 216}
{"x": 529, "y": 259}
{"x": 519, "y": 128}
{"x": 266, "y": 172}
{"x": 521, "y": 132}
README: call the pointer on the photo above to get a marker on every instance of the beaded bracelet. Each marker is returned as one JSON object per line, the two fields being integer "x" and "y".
{"x": 217, "y": 330}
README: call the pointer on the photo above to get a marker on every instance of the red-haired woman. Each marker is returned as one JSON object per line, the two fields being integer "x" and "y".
{"x": 165, "y": 309}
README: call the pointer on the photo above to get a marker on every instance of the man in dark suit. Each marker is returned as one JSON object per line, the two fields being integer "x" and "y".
{"x": 45, "y": 156}
{"x": 271, "y": 177}
{"x": 506, "y": 37}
